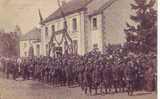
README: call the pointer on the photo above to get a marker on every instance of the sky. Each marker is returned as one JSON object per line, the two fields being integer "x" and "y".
{"x": 24, "y": 13}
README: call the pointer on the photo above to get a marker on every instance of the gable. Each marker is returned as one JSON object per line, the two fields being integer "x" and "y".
{"x": 98, "y": 6}
{"x": 34, "y": 34}
{"x": 68, "y": 8}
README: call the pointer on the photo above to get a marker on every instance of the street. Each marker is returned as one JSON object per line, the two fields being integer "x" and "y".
{"x": 10, "y": 89}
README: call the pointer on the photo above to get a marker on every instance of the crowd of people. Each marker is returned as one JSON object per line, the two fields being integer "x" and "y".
{"x": 94, "y": 72}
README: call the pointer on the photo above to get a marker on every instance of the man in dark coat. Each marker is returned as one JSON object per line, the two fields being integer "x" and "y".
{"x": 131, "y": 76}
{"x": 107, "y": 78}
{"x": 88, "y": 79}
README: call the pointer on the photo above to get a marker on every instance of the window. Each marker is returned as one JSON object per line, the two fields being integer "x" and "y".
{"x": 94, "y": 23}
{"x": 75, "y": 46}
{"x": 58, "y": 26}
{"x": 53, "y": 28}
{"x": 46, "y": 31}
{"x": 25, "y": 54}
{"x": 46, "y": 46}
{"x": 58, "y": 51}
{"x": 47, "y": 49}
{"x": 38, "y": 50}
{"x": 74, "y": 24}
{"x": 25, "y": 45}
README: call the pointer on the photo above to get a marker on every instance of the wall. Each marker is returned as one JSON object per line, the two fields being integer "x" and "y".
{"x": 25, "y": 46}
{"x": 111, "y": 25}
{"x": 95, "y": 35}
{"x": 114, "y": 21}
{"x": 77, "y": 35}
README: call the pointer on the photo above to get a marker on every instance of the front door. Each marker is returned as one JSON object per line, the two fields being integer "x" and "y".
{"x": 58, "y": 51}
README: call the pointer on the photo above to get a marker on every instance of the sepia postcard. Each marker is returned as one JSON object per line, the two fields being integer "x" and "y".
{"x": 78, "y": 49}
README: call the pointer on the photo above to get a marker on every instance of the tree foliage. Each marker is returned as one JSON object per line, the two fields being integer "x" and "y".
{"x": 8, "y": 44}
{"x": 142, "y": 37}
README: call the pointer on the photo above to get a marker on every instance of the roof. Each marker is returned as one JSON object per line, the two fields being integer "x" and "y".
{"x": 93, "y": 7}
{"x": 68, "y": 8}
{"x": 98, "y": 6}
{"x": 34, "y": 34}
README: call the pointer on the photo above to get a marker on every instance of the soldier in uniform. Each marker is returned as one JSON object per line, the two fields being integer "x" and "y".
{"x": 8, "y": 68}
{"x": 26, "y": 71}
{"x": 81, "y": 69}
{"x": 95, "y": 77}
{"x": 130, "y": 78}
{"x": 88, "y": 78}
{"x": 47, "y": 70}
{"x": 4, "y": 63}
{"x": 14, "y": 70}
{"x": 121, "y": 78}
{"x": 108, "y": 78}
{"x": 115, "y": 77}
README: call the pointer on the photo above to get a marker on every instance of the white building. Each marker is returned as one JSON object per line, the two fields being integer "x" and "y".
{"x": 91, "y": 23}
{"x": 30, "y": 40}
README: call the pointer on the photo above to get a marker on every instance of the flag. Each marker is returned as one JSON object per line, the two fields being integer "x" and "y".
{"x": 40, "y": 16}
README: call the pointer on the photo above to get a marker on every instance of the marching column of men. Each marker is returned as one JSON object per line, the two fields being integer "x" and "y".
{"x": 92, "y": 72}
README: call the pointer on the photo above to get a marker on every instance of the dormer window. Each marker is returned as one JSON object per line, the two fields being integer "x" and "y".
{"x": 94, "y": 23}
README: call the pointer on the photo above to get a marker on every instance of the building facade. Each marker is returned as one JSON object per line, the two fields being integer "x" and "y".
{"x": 75, "y": 25}
{"x": 30, "y": 43}
{"x": 90, "y": 24}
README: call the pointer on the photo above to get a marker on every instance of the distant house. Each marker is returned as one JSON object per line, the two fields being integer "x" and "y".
{"x": 91, "y": 23}
{"x": 30, "y": 41}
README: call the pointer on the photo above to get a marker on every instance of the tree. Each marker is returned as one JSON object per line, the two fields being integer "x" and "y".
{"x": 18, "y": 34}
{"x": 8, "y": 44}
{"x": 142, "y": 37}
